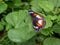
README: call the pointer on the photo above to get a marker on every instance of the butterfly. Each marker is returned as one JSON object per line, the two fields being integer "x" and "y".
{"x": 38, "y": 20}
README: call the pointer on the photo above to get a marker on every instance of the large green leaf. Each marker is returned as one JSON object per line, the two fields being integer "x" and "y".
{"x": 22, "y": 23}
{"x": 51, "y": 41}
{"x": 3, "y": 7}
{"x": 58, "y": 3}
{"x": 55, "y": 2}
{"x": 20, "y": 35}
{"x": 46, "y": 5}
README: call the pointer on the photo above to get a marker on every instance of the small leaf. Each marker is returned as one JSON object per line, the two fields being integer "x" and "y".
{"x": 1, "y": 27}
{"x": 34, "y": 2}
{"x": 58, "y": 22}
{"x": 36, "y": 8}
{"x": 51, "y": 41}
{"x": 8, "y": 27}
{"x": 17, "y": 2}
{"x": 56, "y": 28}
{"x": 26, "y": 6}
{"x": 58, "y": 19}
{"x": 48, "y": 22}
{"x": 46, "y": 32}
{"x": 54, "y": 17}
{"x": 3, "y": 7}
{"x": 41, "y": 38}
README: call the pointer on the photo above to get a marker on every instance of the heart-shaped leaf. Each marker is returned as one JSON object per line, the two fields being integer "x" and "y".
{"x": 22, "y": 23}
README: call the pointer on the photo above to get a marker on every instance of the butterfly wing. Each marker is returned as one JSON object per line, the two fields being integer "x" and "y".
{"x": 38, "y": 20}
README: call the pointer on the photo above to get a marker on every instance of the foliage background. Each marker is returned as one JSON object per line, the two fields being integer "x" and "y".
{"x": 16, "y": 24}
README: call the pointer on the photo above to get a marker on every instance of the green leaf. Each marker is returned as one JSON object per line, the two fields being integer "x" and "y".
{"x": 1, "y": 27}
{"x": 20, "y": 35}
{"x": 55, "y": 2}
{"x": 30, "y": 42}
{"x": 58, "y": 3}
{"x": 15, "y": 19}
{"x": 58, "y": 19}
{"x": 58, "y": 22}
{"x": 41, "y": 38}
{"x": 56, "y": 28}
{"x": 26, "y": 6}
{"x": 46, "y": 5}
{"x": 52, "y": 17}
{"x": 3, "y": 21}
{"x": 11, "y": 18}
{"x": 17, "y": 2}
{"x": 48, "y": 22}
{"x": 22, "y": 23}
{"x": 46, "y": 32}
{"x": 3, "y": 7}
{"x": 8, "y": 27}
{"x": 11, "y": 4}
{"x": 51, "y": 41}
{"x": 34, "y": 2}
{"x": 36, "y": 8}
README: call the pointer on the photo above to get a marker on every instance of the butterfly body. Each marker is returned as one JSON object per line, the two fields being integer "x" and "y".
{"x": 38, "y": 20}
